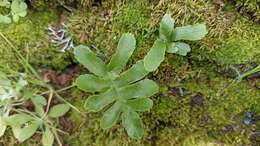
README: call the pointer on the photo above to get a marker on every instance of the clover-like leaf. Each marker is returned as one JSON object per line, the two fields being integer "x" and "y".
{"x": 58, "y": 110}
{"x": 47, "y": 137}
{"x": 89, "y": 60}
{"x": 179, "y": 48}
{"x": 5, "y": 3}
{"x": 5, "y": 19}
{"x": 18, "y": 9}
{"x": 22, "y": 125}
{"x": 17, "y": 120}
{"x": 140, "y": 104}
{"x": 133, "y": 124}
{"x": 111, "y": 116}
{"x": 39, "y": 102}
{"x": 190, "y": 32}
{"x": 166, "y": 27}
{"x": 91, "y": 83}
{"x": 96, "y": 103}
{"x": 23, "y": 133}
{"x": 155, "y": 56}
{"x": 125, "y": 49}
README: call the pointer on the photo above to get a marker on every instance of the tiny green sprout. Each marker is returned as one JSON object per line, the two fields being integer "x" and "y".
{"x": 248, "y": 73}
{"x": 169, "y": 41}
{"x": 121, "y": 94}
{"x": 25, "y": 124}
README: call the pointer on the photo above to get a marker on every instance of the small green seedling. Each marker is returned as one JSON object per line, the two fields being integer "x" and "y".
{"x": 18, "y": 9}
{"x": 248, "y": 73}
{"x": 121, "y": 94}
{"x": 23, "y": 122}
{"x": 169, "y": 41}
{"x": 25, "y": 125}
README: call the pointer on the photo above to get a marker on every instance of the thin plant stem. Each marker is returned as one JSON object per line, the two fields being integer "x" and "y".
{"x": 27, "y": 65}
{"x": 255, "y": 70}
{"x": 57, "y": 137}
{"x": 20, "y": 57}
{"x": 59, "y": 90}
{"x": 26, "y": 111}
{"x": 72, "y": 106}
{"x": 49, "y": 103}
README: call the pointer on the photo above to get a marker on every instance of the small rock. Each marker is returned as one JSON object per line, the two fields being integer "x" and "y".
{"x": 197, "y": 100}
{"x": 178, "y": 91}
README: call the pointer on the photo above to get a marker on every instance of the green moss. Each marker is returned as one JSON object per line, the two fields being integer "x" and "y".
{"x": 132, "y": 16}
{"x": 240, "y": 45}
{"x": 176, "y": 120}
{"x": 135, "y": 17}
{"x": 30, "y": 36}
{"x": 249, "y": 8}
{"x": 93, "y": 27}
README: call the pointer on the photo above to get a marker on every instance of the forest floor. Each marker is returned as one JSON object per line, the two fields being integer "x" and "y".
{"x": 199, "y": 103}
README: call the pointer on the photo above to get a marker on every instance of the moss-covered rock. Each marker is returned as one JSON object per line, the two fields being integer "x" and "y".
{"x": 203, "y": 115}
{"x": 210, "y": 105}
{"x": 195, "y": 106}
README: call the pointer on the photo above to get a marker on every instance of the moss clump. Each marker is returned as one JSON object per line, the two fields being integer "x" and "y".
{"x": 231, "y": 39}
{"x": 202, "y": 116}
{"x": 240, "y": 45}
{"x": 30, "y": 36}
{"x": 135, "y": 17}
{"x": 93, "y": 26}
{"x": 249, "y": 8}
{"x": 178, "y": 120}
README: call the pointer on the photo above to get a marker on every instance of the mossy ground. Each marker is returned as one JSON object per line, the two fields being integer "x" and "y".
{"x": 211, "y": 110}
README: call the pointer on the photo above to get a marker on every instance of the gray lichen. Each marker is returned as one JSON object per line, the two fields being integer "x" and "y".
{"x": 60, "y": 38}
